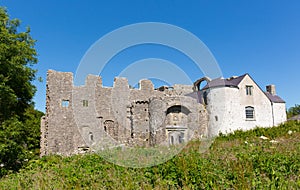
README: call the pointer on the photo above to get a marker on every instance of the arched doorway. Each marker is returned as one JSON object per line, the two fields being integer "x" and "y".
{"x": 176, "y": 124}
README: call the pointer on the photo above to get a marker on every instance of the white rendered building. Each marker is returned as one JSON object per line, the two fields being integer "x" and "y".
{"x": 239, "y": 103}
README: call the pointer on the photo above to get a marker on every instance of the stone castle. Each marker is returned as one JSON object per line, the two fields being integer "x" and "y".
{"x": 80, "y": 118}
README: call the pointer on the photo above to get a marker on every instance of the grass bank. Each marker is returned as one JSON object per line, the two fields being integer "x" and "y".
{"x": 243, "y": 160}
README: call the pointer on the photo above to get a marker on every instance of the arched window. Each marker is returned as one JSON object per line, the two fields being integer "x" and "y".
{"x": 178, "y": 109}
{"x": 249, "y": 110}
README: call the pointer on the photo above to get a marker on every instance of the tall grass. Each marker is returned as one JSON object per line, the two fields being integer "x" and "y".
{"x": 237, "y": 161}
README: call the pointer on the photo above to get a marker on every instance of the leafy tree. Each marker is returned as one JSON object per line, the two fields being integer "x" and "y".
{"x": 292, "y": 111}
{"x": 32, "y": 121}
{"x": 17, "y": 55}
{"x": 12, "y": 151}
{"x": 19, "y": 141}
{"x": 19, "y": 122}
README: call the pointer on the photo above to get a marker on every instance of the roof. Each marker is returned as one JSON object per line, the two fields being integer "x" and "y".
{"x": 274, "y": 98}
{"x": 231, "y": 82}
{"x": 296, "y": 117}
{"x": 196, "y": 95}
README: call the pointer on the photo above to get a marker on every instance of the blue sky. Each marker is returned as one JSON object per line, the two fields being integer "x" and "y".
{"x": 259, "y": 37}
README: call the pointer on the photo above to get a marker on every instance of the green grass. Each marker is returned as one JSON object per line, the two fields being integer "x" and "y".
{"x": 237, "y": 161}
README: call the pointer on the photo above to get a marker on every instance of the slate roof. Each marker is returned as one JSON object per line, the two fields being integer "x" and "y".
{"x": 196, "y": 95}
{"x": 231, "y": 82}
{"x": 294, "y": 118}
{"x": 274, "y": 98}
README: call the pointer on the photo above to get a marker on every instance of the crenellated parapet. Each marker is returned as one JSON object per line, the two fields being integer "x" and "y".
{"x": 91, "y": 116}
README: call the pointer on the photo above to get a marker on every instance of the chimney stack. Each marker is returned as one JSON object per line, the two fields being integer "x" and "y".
{"x": 271, "y": 89}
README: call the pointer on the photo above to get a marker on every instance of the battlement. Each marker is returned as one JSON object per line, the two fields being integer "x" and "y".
{"x": 90, "y": 113}
{"x": 67, "y": 78}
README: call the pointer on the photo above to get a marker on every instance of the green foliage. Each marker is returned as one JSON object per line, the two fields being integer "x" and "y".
{"x": 237, "y": 161}
{"x": 292, "y": 111}
{"x": 19, "y": 141}
{"x": 12, "y": 152}
{"x": 32, "y": 123}
{"x": 281, "y": 130}
{"x": 19, "y": 122}
{"x": 17, "y": 53}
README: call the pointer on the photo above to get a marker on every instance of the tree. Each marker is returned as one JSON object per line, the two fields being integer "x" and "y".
{"x": 19, "y": 122}
{"x": 32, "y": 122}
{"x": 19, "y": 141}
{"x": 292, "y": 111}
{"x": 17, "y": 55}
{"x": 12, "y": 151}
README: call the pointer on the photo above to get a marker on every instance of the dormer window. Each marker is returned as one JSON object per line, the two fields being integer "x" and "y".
{"x": 249, "y": 90}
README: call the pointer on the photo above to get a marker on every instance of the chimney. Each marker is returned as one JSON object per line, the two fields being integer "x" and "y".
{"x": 271, "y": 89}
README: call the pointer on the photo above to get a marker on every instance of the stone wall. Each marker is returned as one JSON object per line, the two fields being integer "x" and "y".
{"x": 92, "y": 117}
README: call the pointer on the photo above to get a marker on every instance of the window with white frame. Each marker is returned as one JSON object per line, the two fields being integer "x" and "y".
{"x": 249, "y": 110}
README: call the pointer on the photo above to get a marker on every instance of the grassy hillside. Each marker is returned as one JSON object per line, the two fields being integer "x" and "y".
{"x": 239, "y": 161}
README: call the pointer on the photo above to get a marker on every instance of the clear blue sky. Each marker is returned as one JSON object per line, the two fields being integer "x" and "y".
{"x": 259, "y": 37}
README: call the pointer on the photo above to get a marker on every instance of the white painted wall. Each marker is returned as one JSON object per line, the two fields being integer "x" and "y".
{"x": 226, "y": 108}
{"x": 260, "y": 102}
{"x": 279, "y": 113}
{"x": 222, "y": 117}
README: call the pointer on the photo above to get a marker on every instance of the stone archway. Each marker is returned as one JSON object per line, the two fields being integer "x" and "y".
{"x": 199, "y": 81}
{"x": 176, "y": 124}
{"x": 177, "y": 115}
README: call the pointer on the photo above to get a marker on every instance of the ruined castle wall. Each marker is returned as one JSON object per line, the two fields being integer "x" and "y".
{"x": 94, "y": 117}
{"x": 157, "y": 110}
{"x": 43, "y": 142}
{"x": 120, "y": 101}
{"x": 183, "y": 89}
{"x": 190, "y": 119}
{"x": 140, "y": 114}
{"x": 85, "y": 112}
{"x": 59, "y": 122}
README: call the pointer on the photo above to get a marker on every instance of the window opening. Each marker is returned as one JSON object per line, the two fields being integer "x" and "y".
{"x": 65, "y": 103}
{"x": 249, "y": 90}
{"x": 85, "y": 103}
{"x": 181, "y": 137}
{"x": 249, "y": 112}
{"x": 91, "y": 136}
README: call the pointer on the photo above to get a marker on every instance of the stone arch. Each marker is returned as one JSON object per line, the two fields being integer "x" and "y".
{"x": 177, "y": 124}
{"x": 199, "y": 81}
{"x": 177, "y": 115}
{"x": 177, "y": 109}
